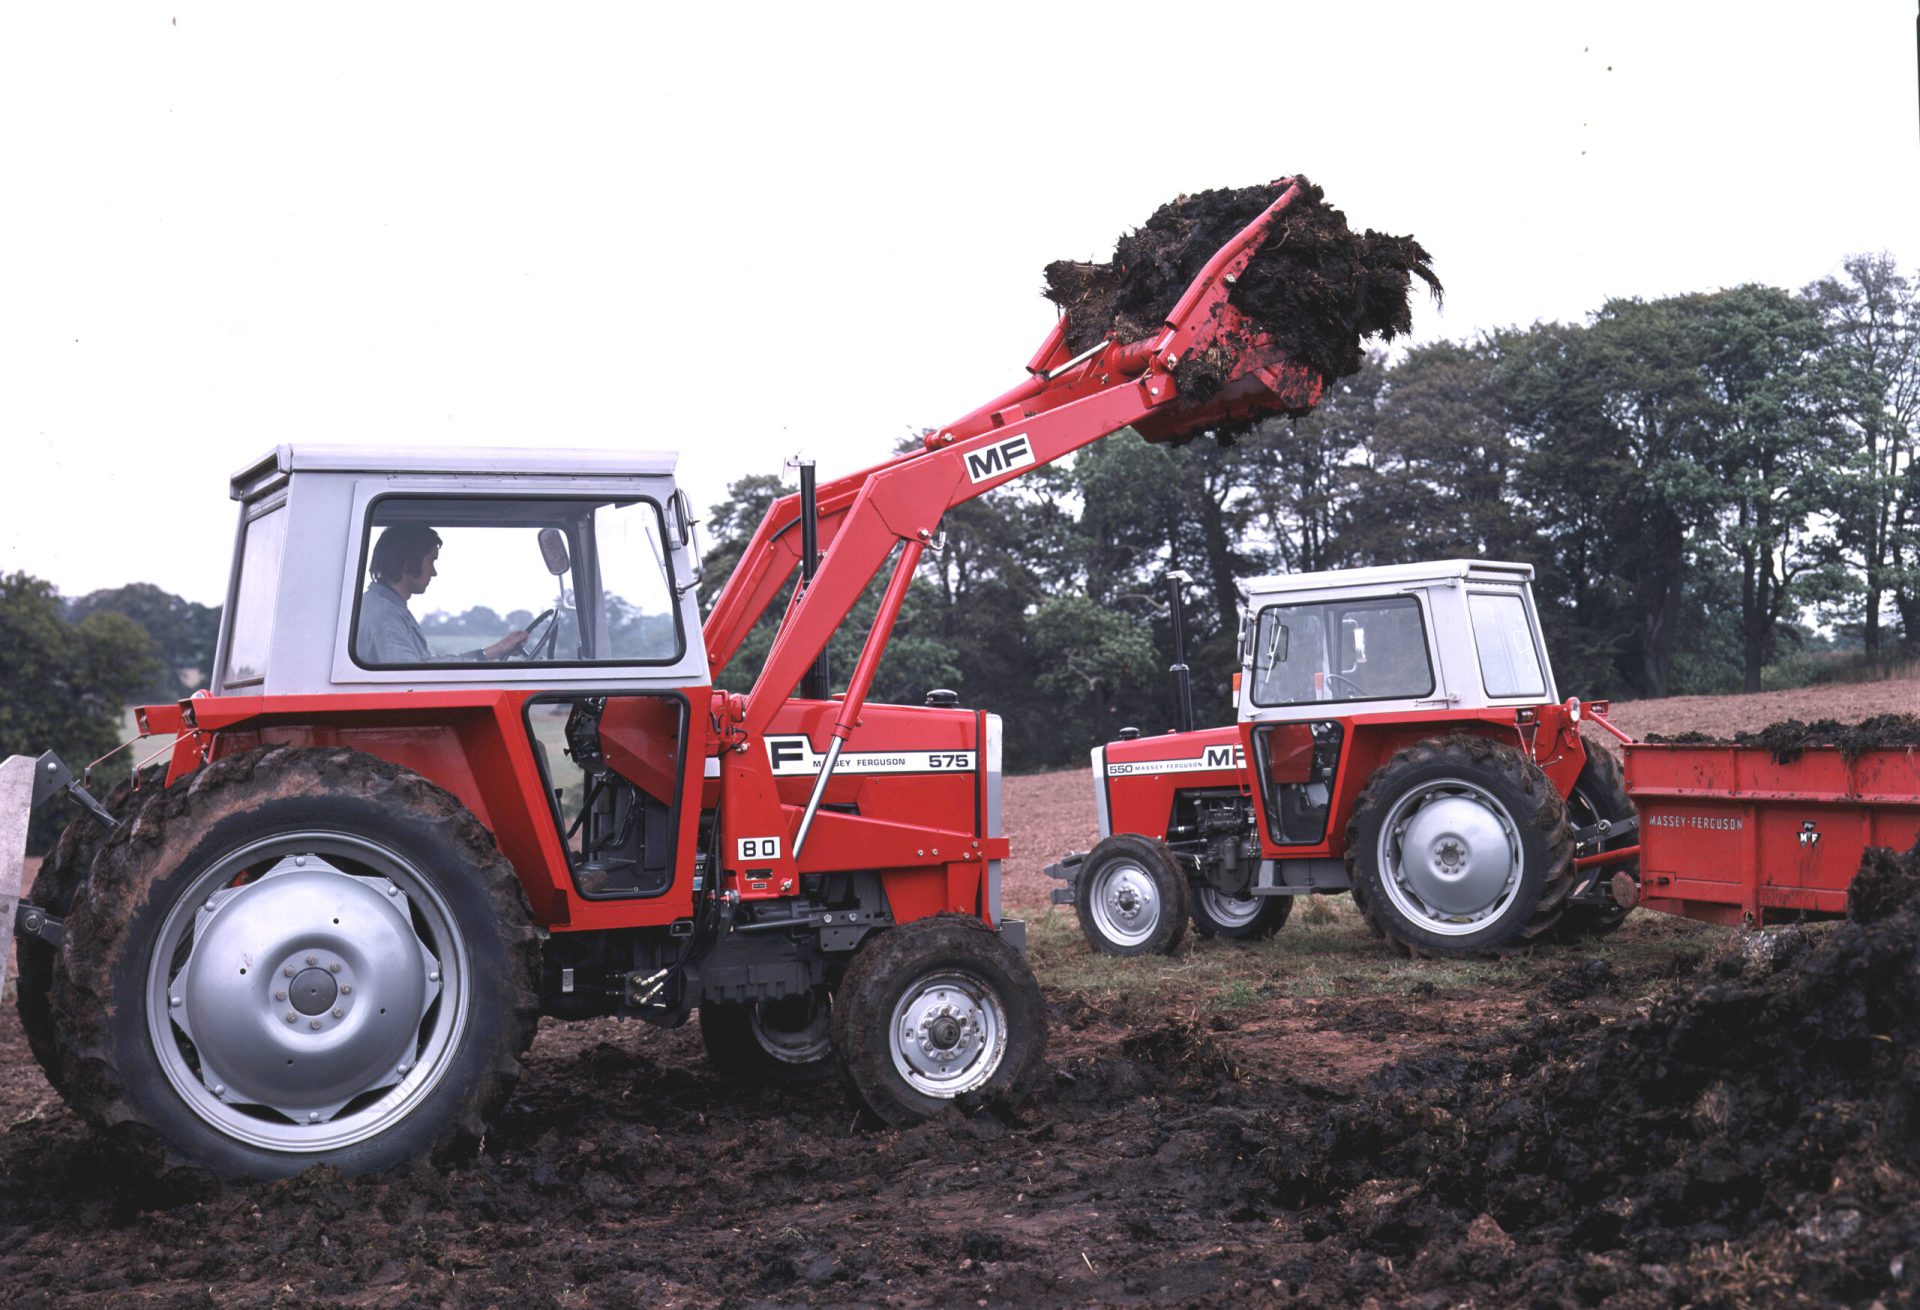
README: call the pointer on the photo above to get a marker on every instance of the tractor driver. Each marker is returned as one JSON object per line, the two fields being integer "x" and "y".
{"x": 402, "y": 566}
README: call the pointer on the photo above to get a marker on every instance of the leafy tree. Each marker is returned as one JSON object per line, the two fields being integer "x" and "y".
{"x": 1873, "y": 317}
{"x": 65, "y": 684}
{"x": 183, "y": 631}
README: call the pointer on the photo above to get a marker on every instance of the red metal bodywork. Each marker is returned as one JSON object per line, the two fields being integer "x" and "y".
{"x": 1140, "y": 796}
{"x": 1728, "y": 834}
{"x": 926, "y": 831}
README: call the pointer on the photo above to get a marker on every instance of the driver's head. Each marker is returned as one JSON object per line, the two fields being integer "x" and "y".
{"x": 404, "y": 556}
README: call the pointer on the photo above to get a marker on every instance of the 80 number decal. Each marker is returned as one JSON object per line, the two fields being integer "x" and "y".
{"x": 758, "y": 848}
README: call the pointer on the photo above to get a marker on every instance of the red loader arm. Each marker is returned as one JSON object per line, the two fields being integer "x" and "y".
{"x": 1065, "y": 403}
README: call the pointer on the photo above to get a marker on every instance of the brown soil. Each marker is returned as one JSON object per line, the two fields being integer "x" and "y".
{"x": 1315, "y": 286}
{"x": 1747, "y": 1138}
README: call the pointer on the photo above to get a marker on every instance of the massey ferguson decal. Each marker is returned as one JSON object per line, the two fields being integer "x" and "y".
{"x": 792, "y": 756}
{"x": 1209, "y": 760}
{"x": 1692, "y": 821}
{"x": 1001, "y": 457}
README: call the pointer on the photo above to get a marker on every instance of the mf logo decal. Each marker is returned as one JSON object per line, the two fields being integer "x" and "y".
{"x": 1001, "y": 457}
{"x": 1809, "y": 833}
{"x": 759, "y": 848}
{"x": 794, "y": 756}
{"x": 1213, "y": 759}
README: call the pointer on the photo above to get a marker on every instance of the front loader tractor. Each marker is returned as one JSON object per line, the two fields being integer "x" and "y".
{"x": 376, "y": 853}
{"x": 1398, "y": 737}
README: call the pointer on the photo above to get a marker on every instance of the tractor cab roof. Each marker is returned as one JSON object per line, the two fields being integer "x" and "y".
{"x": 1446, "y": 570}
{"x": 271, "y": 471}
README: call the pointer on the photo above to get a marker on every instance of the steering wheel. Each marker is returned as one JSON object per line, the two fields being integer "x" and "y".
{"x": 542, "y": 646}
{"x": 1352, "y": 690}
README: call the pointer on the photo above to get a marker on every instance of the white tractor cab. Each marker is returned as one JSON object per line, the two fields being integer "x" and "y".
{"x": 1450, "y": 634}
{"x": 1399, "y": 736}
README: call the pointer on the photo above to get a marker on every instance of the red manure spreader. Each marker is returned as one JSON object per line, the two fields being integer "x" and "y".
{"x": 1399, "y": 736}
{"x": 324, "y": 935}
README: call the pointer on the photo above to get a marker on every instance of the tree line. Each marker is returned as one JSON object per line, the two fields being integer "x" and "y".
{"x": 1707, "y": 485}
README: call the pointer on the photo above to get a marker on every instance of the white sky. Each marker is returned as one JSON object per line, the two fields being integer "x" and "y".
{"x": 743, "y": 232}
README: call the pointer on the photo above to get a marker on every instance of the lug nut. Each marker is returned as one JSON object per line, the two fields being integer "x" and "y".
{"x": 175, "y": 1002}
{"x": 288, "y": 971}
{"x": 279, "y": 996}
{"x": 346, "y": 989}
{"x": 315, "y": 1023}
{"x": 339, "y": 1014}
{"x": 313, "y": 959}
{"x": 292, "y": 1017}
{"x": 299, "y": 861}
{"x": 334, "y": 967}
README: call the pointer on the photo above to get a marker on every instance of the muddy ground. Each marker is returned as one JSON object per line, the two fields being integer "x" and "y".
{"x": 1665, "y": 1120}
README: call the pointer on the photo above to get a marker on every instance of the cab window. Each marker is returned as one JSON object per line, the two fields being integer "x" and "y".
{"x": 1349, "y": 650}
{"x": 449, "y": 581}
{"x": 1509, "y": 659}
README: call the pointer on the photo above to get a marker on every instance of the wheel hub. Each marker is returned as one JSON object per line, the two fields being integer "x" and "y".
{"x": 1230, "y": 911}
{"x": 336, "y": 1012}
{"x": 949, "y": 1034}
{"x": 1126, "y": 906}
{"x": 793, "y": 1030}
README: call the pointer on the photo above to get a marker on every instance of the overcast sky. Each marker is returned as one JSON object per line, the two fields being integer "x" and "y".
{"x": 745, "y": 232}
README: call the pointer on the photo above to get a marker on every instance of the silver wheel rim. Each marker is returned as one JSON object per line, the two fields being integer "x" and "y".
{"x": 1451, "y": 856}
{"x": 307, "y": 992}
{"x": 948, "y": 1035}
{"x": 809, "y": 1042}
{"x": 1229, "y": 911}
{"x": 1125, "y": 903}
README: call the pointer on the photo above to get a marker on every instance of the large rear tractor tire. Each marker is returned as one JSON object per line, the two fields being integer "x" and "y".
{"x": 788, "y": 1041}
{"x": 297, "y": 957}
{"x": 1460, "y": 846}
{"x": 1131, "y": 897}
{"x": 939, "y": 1012}
{"x": 1238, "y": 918}
{"x": 61, "y": 876}
{"x": 1600, "y": 792}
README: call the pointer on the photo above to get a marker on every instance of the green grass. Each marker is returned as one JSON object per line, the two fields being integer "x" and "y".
{"x": 1326, "y": 950}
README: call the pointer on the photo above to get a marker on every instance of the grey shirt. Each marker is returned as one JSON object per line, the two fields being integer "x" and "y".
{"x": 389, "y": 635}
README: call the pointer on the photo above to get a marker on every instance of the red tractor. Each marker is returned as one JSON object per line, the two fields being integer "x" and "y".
{"x": 1399, "y": 737}
{"x": 375, "y": 859}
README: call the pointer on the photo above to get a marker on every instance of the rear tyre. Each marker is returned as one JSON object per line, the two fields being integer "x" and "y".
{"x": 1238, "y": 918}
{"x": 785, "y": 1041}
{"x": 1462, "y": 847}
{"x": 297, "y": 957}
{"x": 61, "y": 876}
{"x": 1598, "y": 793}
{"x": 939, "y": 1012}
{"x": 1131, "y": 897}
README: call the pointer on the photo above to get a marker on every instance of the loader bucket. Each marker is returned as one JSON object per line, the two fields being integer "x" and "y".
{"x": 16, "y": 807}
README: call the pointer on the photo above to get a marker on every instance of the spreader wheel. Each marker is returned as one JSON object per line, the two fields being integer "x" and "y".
{"x": 1461, "y": 847}
{"x": 61, "y": 875}
{"x": 1131, "y": 896}
{"x": 1598, "y": 793}
{"x": 1238, "y": 918}
{"x": 785, "y": 1041}
{"x": 938, "y": 1012}
{"x": 302, "y": 957}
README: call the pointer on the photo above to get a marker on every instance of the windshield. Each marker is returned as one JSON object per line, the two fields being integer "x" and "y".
{"x": 1347, "y": 650}
{"x": 475, "y": 581}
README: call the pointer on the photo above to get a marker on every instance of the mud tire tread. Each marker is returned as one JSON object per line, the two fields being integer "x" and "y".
{"x": 100, "y": 942}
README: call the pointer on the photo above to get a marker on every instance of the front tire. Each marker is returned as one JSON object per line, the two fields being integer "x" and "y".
{"x": 938, "y": 1012}
{"x": 1238, "y": 918}
{"x": 1462, "y": 848}
{"x": 1131, "y": 897}
{"x": 786, "y": 1041}
{"x": 298, "y": 957}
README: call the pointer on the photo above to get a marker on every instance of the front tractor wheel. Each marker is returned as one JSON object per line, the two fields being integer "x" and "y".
{"x": 784, "y": 1041}
{"x": 939, "y": 1012}
{"x": 1131, "y": 897}
{"x": 1243, "y": 918}
{"x": 302, "y": 957}
{"x": 1462, "y": 848}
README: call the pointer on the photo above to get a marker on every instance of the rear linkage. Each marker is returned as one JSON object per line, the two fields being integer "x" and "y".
{"x": 25, "y": 785}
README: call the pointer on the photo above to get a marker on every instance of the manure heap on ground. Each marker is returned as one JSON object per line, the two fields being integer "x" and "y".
{"x": 1788, "y": 739}
{"x": 1315, "y": 286}
{"x": 1759, "y": 1127}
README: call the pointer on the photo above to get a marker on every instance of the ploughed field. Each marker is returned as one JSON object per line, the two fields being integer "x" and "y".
{"x": 1670, "y": 1118}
